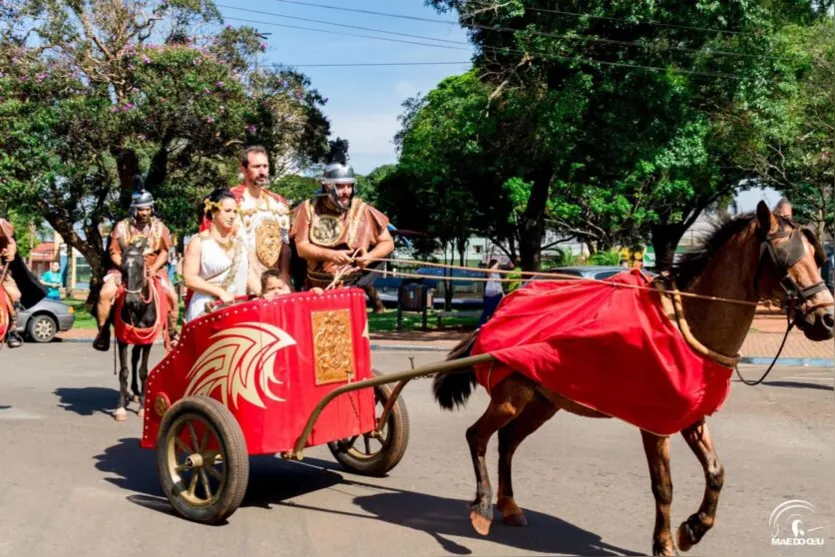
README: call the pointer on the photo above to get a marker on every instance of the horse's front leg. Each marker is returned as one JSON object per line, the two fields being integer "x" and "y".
{"x": 691, "y": 531}
{"x": 143, "y": 376}
{"x": 657, "y": 450}
{"x": 135, "y": 354}
{"x": 121, "y": 410}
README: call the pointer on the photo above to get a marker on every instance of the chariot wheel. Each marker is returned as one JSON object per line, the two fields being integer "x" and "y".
{"x": 373, "y": 455}
{"x": 202, "y": 460}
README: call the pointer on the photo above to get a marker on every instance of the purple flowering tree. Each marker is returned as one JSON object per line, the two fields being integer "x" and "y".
{"x": 91, "y": 97}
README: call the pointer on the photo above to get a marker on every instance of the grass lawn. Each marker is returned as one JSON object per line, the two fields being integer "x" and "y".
{"x": 387, "y": 322}
{"x": 377, "y": 322}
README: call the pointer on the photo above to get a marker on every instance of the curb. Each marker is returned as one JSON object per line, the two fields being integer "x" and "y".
{"x": 376, "y": 347}
{"x": 790, "y": 362}
{"x": 752, "y": 360}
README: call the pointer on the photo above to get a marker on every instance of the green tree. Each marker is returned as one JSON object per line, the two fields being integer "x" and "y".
{"x": 615, "y": 118}
{"x": 96, "y": 92}
{"x": 795, "y": 149}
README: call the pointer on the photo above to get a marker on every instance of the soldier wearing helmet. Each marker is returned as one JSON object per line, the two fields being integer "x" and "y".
{"x": 337, "y": 233}
{"x": 141, "y": 223}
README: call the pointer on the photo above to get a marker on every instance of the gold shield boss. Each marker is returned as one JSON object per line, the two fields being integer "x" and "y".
{"x": 268, "y": 242}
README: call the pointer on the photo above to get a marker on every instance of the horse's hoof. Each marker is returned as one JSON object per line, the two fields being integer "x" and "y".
{"x": 659, "y": 549}
{"x": 141, "y": 413}
{"x": 684, "y": 537}
{"x": 515, "y": 520}
{"x": 481, "y": 524}
{"x": 121, "y": 415}
{"x": 134, "y": 398}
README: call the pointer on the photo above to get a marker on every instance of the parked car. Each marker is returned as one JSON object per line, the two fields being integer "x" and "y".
{"x": 597, "y": 272}
{"x": 45, "y": 319}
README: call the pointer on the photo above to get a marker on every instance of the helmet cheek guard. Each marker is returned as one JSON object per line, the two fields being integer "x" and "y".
{"x": 338, "y": 171}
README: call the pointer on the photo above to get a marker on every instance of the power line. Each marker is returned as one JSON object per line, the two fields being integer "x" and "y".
{"x": 647, "y": 22}
{"x": 345, "y": 25}
{"x": 508, "y": 50}
{"x": 546, "y": 10}
{"x": 343, "y": 33}
{"x": 538, "y": 33}
{"x": 360, "y": 64}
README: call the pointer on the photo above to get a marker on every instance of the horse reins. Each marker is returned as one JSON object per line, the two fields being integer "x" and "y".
{"x": 784, "y": 258}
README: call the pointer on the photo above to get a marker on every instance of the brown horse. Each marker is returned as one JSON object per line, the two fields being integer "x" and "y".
{"x": 748, "y": 258}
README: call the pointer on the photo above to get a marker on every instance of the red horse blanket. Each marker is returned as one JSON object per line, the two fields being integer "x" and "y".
{"x": 129, "y": 334}
{"x": 612, "y": 349}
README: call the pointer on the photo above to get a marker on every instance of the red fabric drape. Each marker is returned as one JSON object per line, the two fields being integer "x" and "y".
{"x": 129, "y": 334}
{"x": 608, "y": 348}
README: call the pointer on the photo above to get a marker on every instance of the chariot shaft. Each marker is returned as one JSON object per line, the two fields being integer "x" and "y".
{"x": 404, "y": 376}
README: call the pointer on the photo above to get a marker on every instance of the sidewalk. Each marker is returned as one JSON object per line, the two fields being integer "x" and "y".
{"x": 760, "y": 346}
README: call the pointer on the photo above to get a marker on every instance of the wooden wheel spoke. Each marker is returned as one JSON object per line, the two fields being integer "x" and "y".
{"x": 193, "y": 435}
{"x": 180, "y": 468}
{"x": 214, "y": 472}
{"x": 182, "y": 445}
{"x": 204, "y": 441}
{"x": 367, "y": 440}
{"x": 204, "y": 479}
{"x": 193, "y": 485}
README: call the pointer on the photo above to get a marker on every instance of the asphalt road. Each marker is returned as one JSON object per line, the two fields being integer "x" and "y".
{"x": 74, "y": 482}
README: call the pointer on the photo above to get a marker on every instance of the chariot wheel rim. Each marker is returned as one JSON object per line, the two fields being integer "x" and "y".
{"x": 198, "y": 475}
{"x": 366, "y": 441}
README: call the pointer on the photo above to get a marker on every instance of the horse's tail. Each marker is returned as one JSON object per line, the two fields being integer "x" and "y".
{"x": 454, "y": 388}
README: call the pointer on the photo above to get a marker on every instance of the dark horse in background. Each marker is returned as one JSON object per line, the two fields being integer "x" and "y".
{"x": 753, "y": 257}
{"x": 137, "y": 307}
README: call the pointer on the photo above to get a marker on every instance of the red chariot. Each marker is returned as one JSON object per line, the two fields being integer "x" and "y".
{"x": 270, "y": 377}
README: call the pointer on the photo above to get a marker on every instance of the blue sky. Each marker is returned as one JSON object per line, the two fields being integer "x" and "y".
{"x": 364, "y": 102}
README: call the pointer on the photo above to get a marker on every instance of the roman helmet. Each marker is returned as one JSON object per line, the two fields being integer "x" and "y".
{"x": 337, "y": 171}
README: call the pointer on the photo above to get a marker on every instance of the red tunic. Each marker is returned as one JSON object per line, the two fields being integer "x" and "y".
{"x": 611, "y": 349}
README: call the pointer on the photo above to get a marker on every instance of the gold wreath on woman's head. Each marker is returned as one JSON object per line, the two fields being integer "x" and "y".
{"x": 209, "y": 205}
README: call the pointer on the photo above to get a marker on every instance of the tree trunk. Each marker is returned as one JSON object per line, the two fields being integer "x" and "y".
{"x": 665, "y": 239}
{"x": 533, "y": 221}
{"x": 128, "y": 166}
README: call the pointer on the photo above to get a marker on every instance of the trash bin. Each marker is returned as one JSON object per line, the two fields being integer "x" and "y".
{"x": 413, "y": 297}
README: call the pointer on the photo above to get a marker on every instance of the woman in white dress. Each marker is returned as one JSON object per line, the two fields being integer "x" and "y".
{"x": 215, "y": 265}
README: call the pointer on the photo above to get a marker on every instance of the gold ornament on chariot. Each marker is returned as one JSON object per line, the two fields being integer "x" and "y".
{"x": 161, "y": 404}
{"x": 268, "y": 242}
{"x": 333, "y": 346}
{"x": 326, "y": 230}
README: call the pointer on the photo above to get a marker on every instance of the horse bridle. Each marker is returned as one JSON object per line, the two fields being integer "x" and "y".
{"x": 140, "y": 246}
{"x": 783, "y": 258}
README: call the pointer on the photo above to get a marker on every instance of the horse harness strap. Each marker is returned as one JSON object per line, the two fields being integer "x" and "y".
{"x": 783, "y": 258}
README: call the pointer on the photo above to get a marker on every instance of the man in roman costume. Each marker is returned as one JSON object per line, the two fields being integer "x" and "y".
{"x": 264, "y": 216}
{"x": 337, "y": 234}
{"x": 141, "y": 223}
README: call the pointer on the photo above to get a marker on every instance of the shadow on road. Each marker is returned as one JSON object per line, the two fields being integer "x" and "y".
{"x": 277, "y": 482}
{"x": 129, "y": 466}
{"x": 4, "y": 407}
{"x": 86, "y": 401}
{"x": 799, "y": 385}
{"x": 443, "y": 518}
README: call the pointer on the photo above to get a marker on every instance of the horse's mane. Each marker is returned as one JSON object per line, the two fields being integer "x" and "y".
{"x": 693, "y": 263}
